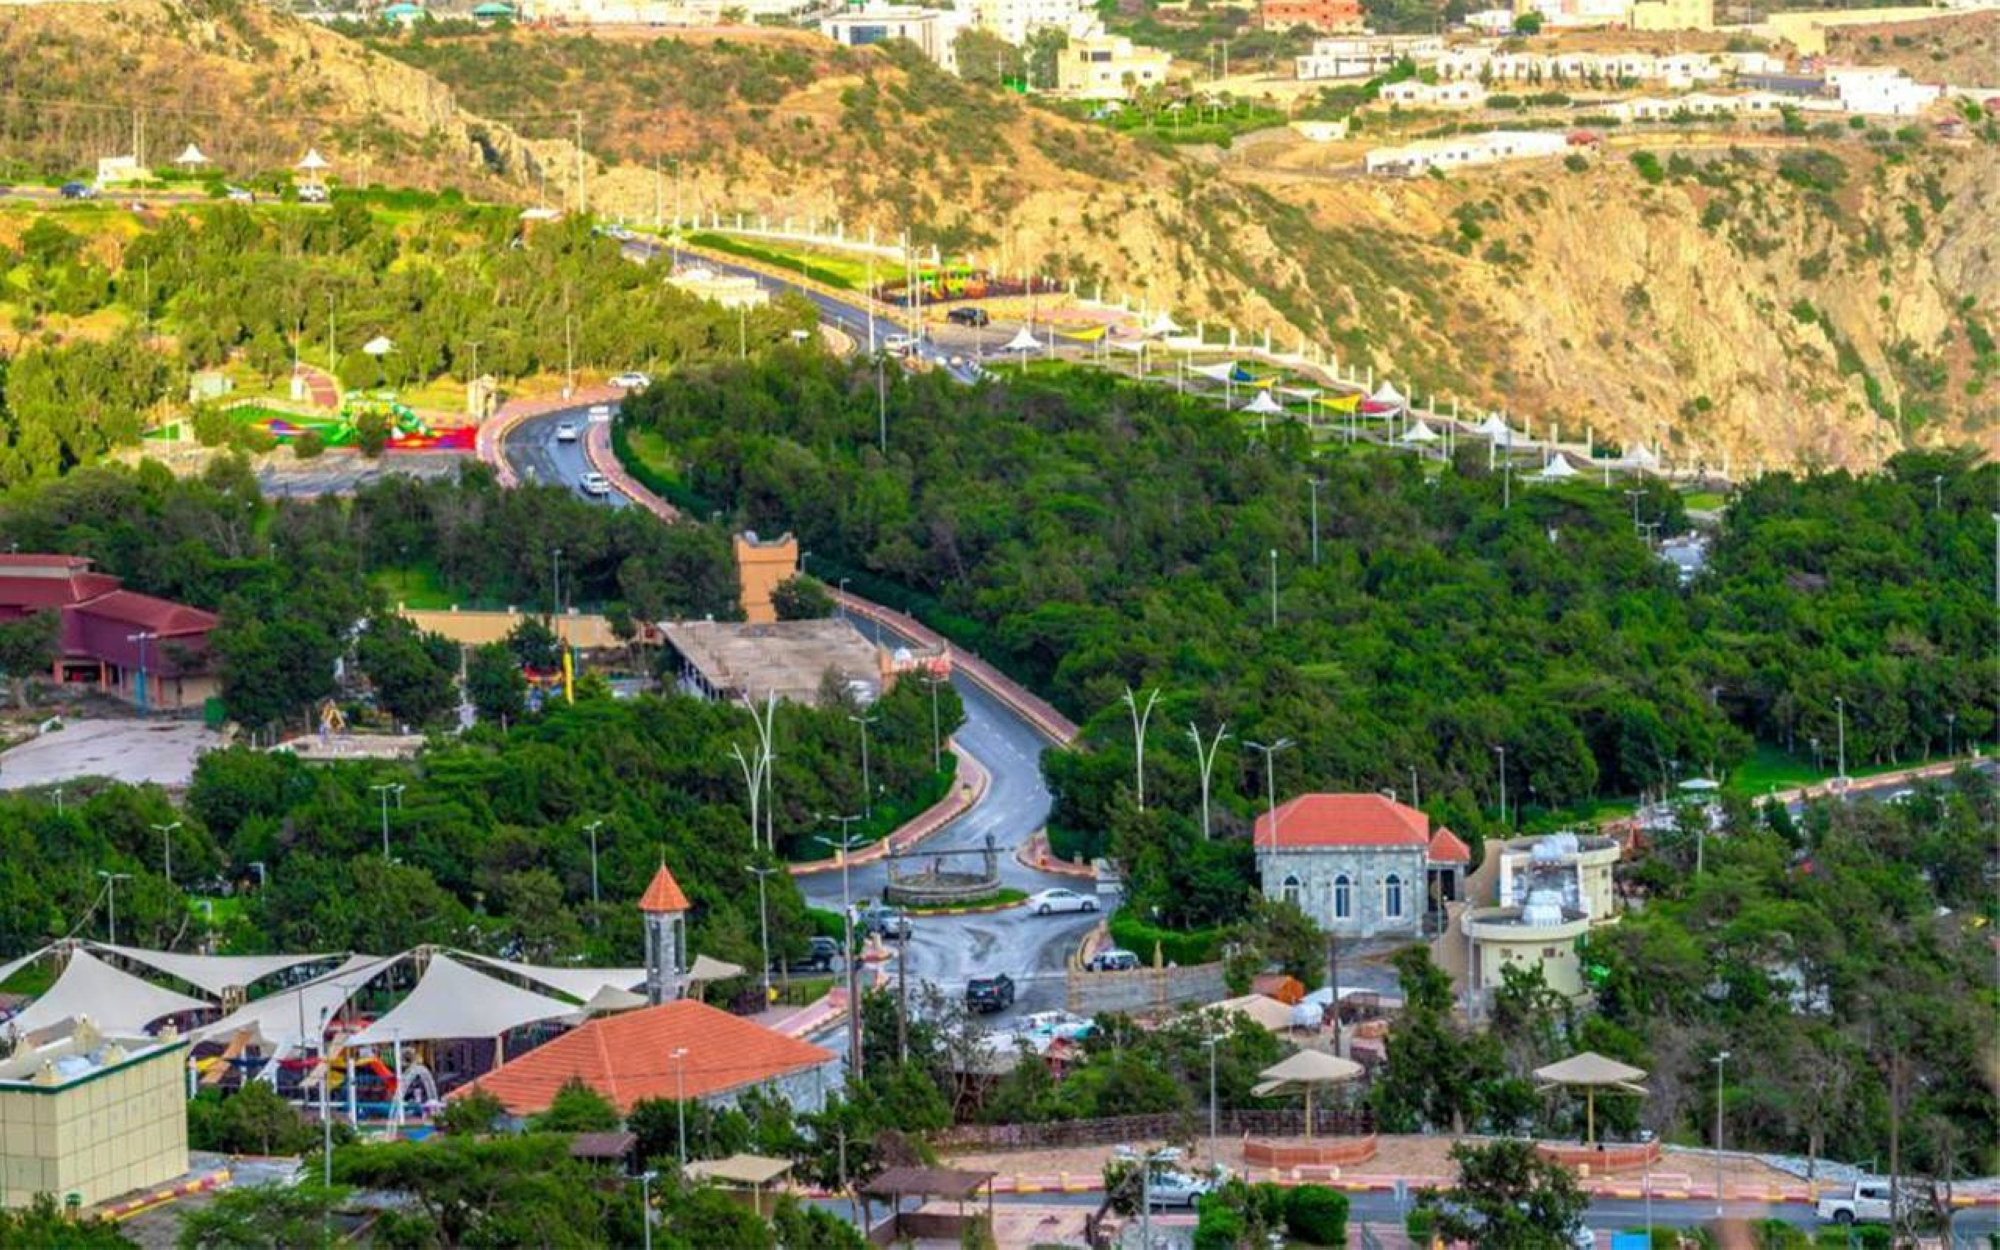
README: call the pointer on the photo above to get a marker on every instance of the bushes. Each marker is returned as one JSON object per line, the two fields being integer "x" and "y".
{"x": 1318, "y": 1214}
{"x": 1197, "y": 947}
{"x": 308, "y": 445}
{"x": 1649, "y": 167}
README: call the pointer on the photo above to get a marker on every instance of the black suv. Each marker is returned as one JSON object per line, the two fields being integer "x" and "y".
{"x": 968, "y": 317}
{"x": 989, "y": 993}
{"x": 820, "y": 954}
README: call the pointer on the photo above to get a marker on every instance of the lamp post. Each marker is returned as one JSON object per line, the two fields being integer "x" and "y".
{"x": 681, "y": 1103}
{"x": 1270, "y": 782}
{"x": 1274, "y": 588}
{"x": 555, "y": 582}
{"x": 1212, "y": 1118}
{"x": 111, "y": 880}
{"x": 1721, "y": 1057}
{"x": 1206, "y": 760}
{"x": 1950, "y": 735}
{"x": 325, "y": 1112}
{"x": 646, "y": 1180}
{"x": 763, "y": 925}
{"x": 592, "y": 829}
{"x": 844, "y": 845}
{"x": 1315, "y": 483}
{"x": 1139, "y": 718}
{"x": 867, "y": 787}
{"x": 143, "y": 637}
{"x": 937, "y": 737}
{"x": 166, "y": 833}
{"x": 384, "y": 790}
{"x": 1840, "y": 725}
{"x": 1501, "y": 751}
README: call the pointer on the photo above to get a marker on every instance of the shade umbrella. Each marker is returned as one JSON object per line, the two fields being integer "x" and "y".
{"x": 1304, "y": 1073}
{"x": 191, "y": 156}
{"x": 1163, "y": 325}
{"x": 1023, "y": 341}
{"x": 1590, "y": 1072}
{"x": 1264, "y": 405}
{"x": 1420, "y": 433}
{"x": 1557, "y": 469}
{"x": 313, "y": 162}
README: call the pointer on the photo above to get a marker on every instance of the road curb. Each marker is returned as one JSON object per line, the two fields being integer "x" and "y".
{"x": 966, "y": 911}
{"x": 160, "y": 1197}
{"x": 1035, "y": 853}
{"x": 494, "y": 430}
{"x": 973, "y": 783}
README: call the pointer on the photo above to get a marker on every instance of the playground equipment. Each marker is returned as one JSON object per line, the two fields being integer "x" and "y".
{"x": 402, "y": 418}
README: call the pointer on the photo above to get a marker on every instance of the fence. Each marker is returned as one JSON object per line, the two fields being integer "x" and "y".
{"x": 1328, "y": 1121}
{"x": 1143, "y": 989}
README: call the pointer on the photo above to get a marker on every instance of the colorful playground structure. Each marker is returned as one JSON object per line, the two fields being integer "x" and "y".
{"x": 408, "y": 431}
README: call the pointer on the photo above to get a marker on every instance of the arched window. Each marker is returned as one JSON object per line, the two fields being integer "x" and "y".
{"x": 1392, "y": 897}
{"x": 1343, "y": 897}
{"x": 1291, "y": 890}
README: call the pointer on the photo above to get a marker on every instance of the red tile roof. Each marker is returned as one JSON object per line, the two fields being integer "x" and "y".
{"x": 664, "y": 894}
{"x": 1448, "y": 848}
{"x": 1314, "y": 820}
{"x": 35, "y": 560}
{"x": 629, "y": 1058}
{"x": 159, "y": 616}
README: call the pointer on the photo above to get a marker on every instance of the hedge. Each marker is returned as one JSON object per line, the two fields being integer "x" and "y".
{"x": 1198, "y": 946}
{"x": 1318, "y": 1214}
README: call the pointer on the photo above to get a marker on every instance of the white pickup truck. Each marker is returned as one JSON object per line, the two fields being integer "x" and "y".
{"x": 1867, "y": 1202}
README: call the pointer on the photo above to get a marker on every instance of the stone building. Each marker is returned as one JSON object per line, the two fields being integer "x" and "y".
{"x": 1360, "y": 865}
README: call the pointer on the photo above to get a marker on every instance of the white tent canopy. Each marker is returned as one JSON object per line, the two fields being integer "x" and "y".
{"x": 709, "y": 968}
{"x": 291, "y": 1017}
{"x": 1557, "y": 469}
{"x": 117, "y": 1002}
{"x": 191, "y": 155}
{"x": 1264, "y": 405}
{"x": 1494, "y": 427}
{"x": 313, "y": 161}
{"x": 378, "y": 346}
{"x": 212, "y": 973}
{"x": 582, "y": 984}
{"x": 1300, "y": 392}
{"x": 607, "y": 1000}
{"x": 1639, "y": 457}
{"x": 1420, "y": 433}
{"x": 1224, "y": 372}
{"x": 1387, "y": 394}
{"x": 1162, "y": 325}
{"x": 453, "y": 1001}
{"x": 13, "y": 966}
{"x": 1024, "y": 340}
{"x": 1129, "y": 345}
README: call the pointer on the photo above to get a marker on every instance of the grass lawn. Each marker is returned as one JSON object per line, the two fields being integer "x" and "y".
{"x": 801, "y": 991}
{"x": 1769, "y": 767}
{"x": 417, "y": 587}
{"x": 844, "y": 272}
{"x": 650, "y": 448}
{"x": 1704, "y": 501}
{"x": 1007, "y": 894}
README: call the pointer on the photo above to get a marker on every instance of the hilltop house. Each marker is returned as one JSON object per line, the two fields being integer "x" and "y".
{"x": 1360, "y": 865}
{"x": 151, "y": 651}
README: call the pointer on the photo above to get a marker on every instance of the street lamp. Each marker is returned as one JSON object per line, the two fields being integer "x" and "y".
{"x": 1840, "y": 712}
{"x": 555, "y": 582}
{"x": 166, "y": 833}
{"x": 646, "y": 1180}
{"x": 1206, "y": 759}
{"x": 1316, "y": 484}
{"x": 867, "y": 787}
{"x": 1270, "y": 781}
{"x": 1720, "y": 1058}
{"x": 1139, "y": 718}
{"x": 143, "y": 637}
{"x": 1274, "y": 588}
{"x": 937, "y": 737}
{"x": 845, "y": 845}
{"x": 681, "y": 1101}
{"x": 763, "y": 925}
{"x": 592, "y": 829}
{"x": 1950, "y": 738}
{"x": 111, "y": 880}
{"x": 1212, "y": 1126}
{"x": 384, "y": 790}
{"x": 1501, "y": 751}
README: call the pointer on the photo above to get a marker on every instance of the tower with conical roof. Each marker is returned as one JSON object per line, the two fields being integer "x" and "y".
{"x": 663, "y": 913}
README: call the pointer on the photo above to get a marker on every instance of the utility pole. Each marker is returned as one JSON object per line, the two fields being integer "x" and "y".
{"x": 867, "y": 787}
{"x": 1315, "y": 483}
{"x": 166, "y": 833}
{"x": 763, "y": 925}
{"x": 592, "y": 829}
{"x": 1139, "y": 718}
{"x": 1206, "y": 760}
{"x": 1270, "y": 782}
{"x": 845, "y": 845}
{"x": 111, "y": 880}
{"x": 385, "y": 790}
{"x": 1274, "y": 588}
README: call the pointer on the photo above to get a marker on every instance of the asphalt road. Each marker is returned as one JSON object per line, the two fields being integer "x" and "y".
{"x": 534, "y": 452}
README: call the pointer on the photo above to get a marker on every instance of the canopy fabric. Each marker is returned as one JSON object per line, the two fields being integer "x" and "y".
{"x": 1024, "y": 340}
{"x": 378, "y": 346}
{"x": 1300, "y": 392}
{"x": 1129, "y": 345}
{"x": 1088, "y": 334}
{"x": 211, "y": 973}
{"x": 1592, "y": 1069}
{"x": 313, "y": 160}
{"x": 1494, "y": 427}
{"x": 741, "y": 1169}
{"x": 1558, "y": 468}
{"x": 608, "y": 999}
{"x": 1341, "y": 403}
{"x": 291, "y": 1017}
{"x": 1265, "y": 1010}
{"x": 13, "y": 966}
{"x": 1162, "y": 325}
{"x": 191, "y": 155}
{"x": 1224, "y": 372}
{"x": 582, "y": 984}
{"x": 1263, "y": 404}
{"x": 1388, "y": 394}
{"x": 1420, "y": 433}
{"x": 1308, "y": 1067}
{"x": 453, "y": 1001}
{"x": 117, "y": 1002}
{"x": 709, "y": 968}
{"x": 1641, "y": 458}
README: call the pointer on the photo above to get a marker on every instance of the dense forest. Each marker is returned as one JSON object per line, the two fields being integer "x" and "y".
{"x": 201, "y": 286}
{"x": 1091, "y": 535}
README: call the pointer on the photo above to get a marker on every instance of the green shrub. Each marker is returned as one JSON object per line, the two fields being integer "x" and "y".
{"x": 1576, "y": 162}
{"x": 308, "y": 445}
{"x": 1649, "y": 167}
{"x": 1317, "y": 1213}
{"x": 1198, "y": 946}
{"x": 1419, "y": 1222}
{"x": 371, "y": 433}
{"x": 212, "y": 427}
{"x": 1219, "y": 1228}
{"x": 1503, "y": 101}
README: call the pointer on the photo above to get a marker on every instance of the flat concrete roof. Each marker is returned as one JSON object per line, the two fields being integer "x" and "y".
{"x": 786, "y": 658}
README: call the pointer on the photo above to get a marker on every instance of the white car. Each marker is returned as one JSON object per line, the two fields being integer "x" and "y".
{"x": 1049, "y": 901}
{"x": 600, "y": 412}
{"x": 596, "y": 484}
{"x": 898, "y": 343}
{"x": 239, "y": 195}
{"x": 565, "y": 431}
{"x": 631, "y": 381}
{"x": 1179, "y": 1189}
{"x": 312, "y": 193}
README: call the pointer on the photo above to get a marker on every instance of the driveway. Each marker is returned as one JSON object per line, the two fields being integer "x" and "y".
{"x": 135, "y": 751}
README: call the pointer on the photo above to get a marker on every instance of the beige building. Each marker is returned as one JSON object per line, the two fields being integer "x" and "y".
{"x": 1109, "y": 67}
{"x": 762, "y": 565}
{"x": 1543, "y": 934}
{"x": 1529, "y": 905}
{"x": 92, "y": 1116}
{"x": 1673, "y": 14}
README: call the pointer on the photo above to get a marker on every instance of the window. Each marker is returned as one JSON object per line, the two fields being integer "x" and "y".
{"x": 1392, "y": 897}
{"x": 1343, "y": 897}
{"x": 1291, "y": 890}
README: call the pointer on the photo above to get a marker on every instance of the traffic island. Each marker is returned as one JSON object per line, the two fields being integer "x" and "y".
{"x": 1599, "y": 1159}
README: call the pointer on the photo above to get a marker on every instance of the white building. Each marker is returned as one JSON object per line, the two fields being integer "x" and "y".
{"x": 1696, "y": 104}
{"x": 934, "y": 31}
{"x": 1411, "y": 94}
{"x": 731, "y": 290}
{"x": 1015, "y": 20}
{"x": 1491, "y": 21}
{"x": 1109, "y": 67}
{"x": 1458, "y": 151}
{"x": 1880, "y": 91}
{"x": 1577, "y": 14}
{"x": 1365, "y": 56}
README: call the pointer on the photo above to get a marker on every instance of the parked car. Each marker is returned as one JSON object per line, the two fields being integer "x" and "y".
{"x": 968, "y": 317}
{"x": 995, "y": 993}
{"x": 633, "y": 381}
{"x": 240, "y": 195}
{"x": 1172, "y": 1188}
{"x": 1059, "y": 899}
{"x": 1112, "y": 960}
{"x": 596, "y": 484}
{"x": 78, "y": 191}
{"x": 891, "y": 922}
{"x": 898, "y": 343}
{"x": 600, "y": 412}
{"x": 565, "y": 431}
{"x": 819, "y": 957}
{"x": 1867, "y": 1201}
{"x": 312, "y": 193}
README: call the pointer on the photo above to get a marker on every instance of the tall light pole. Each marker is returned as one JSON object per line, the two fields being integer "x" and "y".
{"x": 1501, "y": 751}
{"x": 646, "y": 1180}
{"x": 555, "y": 582}
{"x": 325, "y": 1112}
{"x": 1139, "y": 718}
{"x": 1635, "y": 496}
{"x": 867, "y": 786}
{"x": 143, "y": 637}
{"x": 1720, "y": 1058}
{"x": 1950, "y": 734}
{"x": 111, "y": 880}
{"x": 384, "y": 791}
{"x": 592, "y": 829}
{"x": 1274, "y": 588}
{"x": 1206, "y": 760}
{"x": 681, "y": 1102}
{"x": 845, "y": 845}
{"x": 753, "y": 784}
{"x": 1840, "y": 725}
{"x": 763, "y": 925}
{"x": 1315, "y": 483}
{"x": 166, "y": 833}
{"x": 1270, "y": 782}
{"x": 1212, "y": 1118}
{"x": 937, "y": 737}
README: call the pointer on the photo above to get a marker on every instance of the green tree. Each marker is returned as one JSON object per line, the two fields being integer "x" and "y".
{"x": 291, "y": 1217}
{"x": 413, "y": 673}
{"x": 1528, "y": 23}
{"x": 254, "y": 1120}
{"x": 26, "y": 647}
{"x": 1508, "y": 1197}
{"x": 43, "y": 1225}
{"x": 576, "y": 1108}
{"x": 535, "y": 645}
{"x": 494, "y": 683}
{"x": 801, "y": 598}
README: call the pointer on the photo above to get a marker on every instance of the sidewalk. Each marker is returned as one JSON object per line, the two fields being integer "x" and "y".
{"x": 971, "y": 788}
{"x": 1034, "y": 853}
{"x": 494, "y": 430}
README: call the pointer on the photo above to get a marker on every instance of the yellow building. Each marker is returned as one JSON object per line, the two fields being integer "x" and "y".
{"x": 1673, "y": 14}
{"x": 1805, "y": 29}
{"x": 92, "y": 1116}
{"x": 761, "y": 566}
{"x": 1543, "y": 933}
{"x": 1109, "y": 67}
{"x": 1530, "y": 902}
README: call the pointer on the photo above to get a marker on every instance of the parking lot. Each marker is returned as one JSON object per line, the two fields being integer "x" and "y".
{"x": 136, "y": 751}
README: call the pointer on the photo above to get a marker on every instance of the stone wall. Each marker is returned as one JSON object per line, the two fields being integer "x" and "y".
{"x": 1143, "y": 989}
{"x": 1367, "y": 870}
